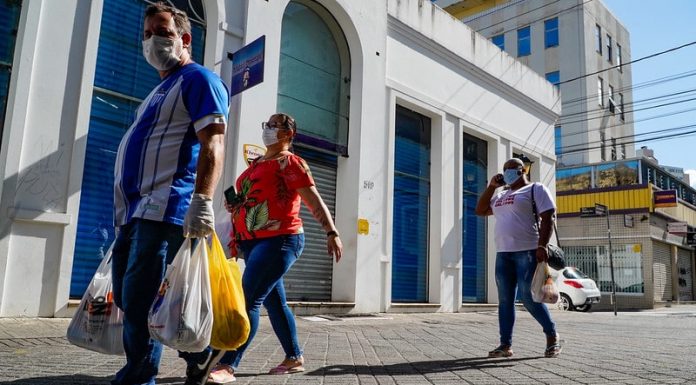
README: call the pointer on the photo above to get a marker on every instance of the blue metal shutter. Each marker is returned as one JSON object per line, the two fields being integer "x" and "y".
{"x": 473, "y": 227}
{"x": 9, "y": 18}
{"x": 411, "y": 207}
{"x": 122, "y": 79}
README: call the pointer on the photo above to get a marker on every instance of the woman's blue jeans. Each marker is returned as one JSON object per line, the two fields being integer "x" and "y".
{"x": 267, "y": 260}
{"x": 141, "y": 252}
{"x": 514, "y": 271}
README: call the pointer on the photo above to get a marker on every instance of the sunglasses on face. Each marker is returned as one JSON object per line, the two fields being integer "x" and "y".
{"x": 269, "y": 126}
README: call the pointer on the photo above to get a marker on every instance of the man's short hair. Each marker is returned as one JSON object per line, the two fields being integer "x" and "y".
{"x": 181, "y": 20}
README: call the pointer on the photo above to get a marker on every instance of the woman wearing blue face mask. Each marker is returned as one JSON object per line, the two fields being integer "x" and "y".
{"x": 521, "y": 244}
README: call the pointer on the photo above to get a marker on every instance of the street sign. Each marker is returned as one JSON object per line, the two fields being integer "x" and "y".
{"x": 677, "y": 228}
{"x": 587, "y": 211}
{"x": 600, "y": 210}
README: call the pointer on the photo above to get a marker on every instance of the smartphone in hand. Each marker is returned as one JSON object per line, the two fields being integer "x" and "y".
{"x": 231, "y": 195}
{"x": 500, "y": 180}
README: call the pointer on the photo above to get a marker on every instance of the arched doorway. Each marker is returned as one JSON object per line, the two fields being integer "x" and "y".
{"x": 313, "y": 86}
{"x": 122, "y": 80}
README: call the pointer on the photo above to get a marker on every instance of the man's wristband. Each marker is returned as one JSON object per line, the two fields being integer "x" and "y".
{"x": 333, "y": 233}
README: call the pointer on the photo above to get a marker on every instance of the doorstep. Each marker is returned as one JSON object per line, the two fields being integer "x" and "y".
{"x": 300, "y": 308}
{"x": 414, "y": 308}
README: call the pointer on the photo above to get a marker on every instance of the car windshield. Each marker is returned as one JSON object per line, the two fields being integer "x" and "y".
{"x": 574, "y": 273}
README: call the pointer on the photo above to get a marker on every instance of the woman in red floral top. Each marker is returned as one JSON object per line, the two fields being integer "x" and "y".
{"x": 267, "y": 229}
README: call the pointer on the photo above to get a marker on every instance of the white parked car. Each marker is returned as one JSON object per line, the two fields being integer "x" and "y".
{"x": 577, "y": 290}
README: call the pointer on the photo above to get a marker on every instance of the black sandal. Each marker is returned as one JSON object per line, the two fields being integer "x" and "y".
{"x": 554, "y": 349}
{"x": 500, "y": 351}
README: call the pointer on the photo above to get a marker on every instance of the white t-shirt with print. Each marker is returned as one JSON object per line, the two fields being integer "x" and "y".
{"x": 514, "y": 218}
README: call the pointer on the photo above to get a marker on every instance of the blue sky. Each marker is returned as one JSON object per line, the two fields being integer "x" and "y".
{"x": 654, "y": 27}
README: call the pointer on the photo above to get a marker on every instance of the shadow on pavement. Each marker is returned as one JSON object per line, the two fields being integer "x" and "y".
{"x": 419, "y": 367}
{"x": 81, "y": 379}
{"x": 77, "y": 379}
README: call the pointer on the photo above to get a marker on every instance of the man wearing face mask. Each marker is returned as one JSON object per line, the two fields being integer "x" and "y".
{"x": 167, "y": 167}
{"x": 521, "y": 243}
{"x": 267, "y": 230}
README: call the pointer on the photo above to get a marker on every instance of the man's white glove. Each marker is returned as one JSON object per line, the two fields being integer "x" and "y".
{"x": 199, "y": 221}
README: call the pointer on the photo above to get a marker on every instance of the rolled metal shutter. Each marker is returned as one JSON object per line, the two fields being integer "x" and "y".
{"x": 662, "y": 271}
{"x": 310, "y": 277}
{"x": 685, "y": 270}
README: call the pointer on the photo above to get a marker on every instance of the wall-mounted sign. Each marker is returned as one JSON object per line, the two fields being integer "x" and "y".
{"x": 363, "y": 226}
{"x": 247, "y": 66}
{"x": 677, "y": 228}
{"x": 666, "y": 198}
{"x": 628, "y": 220}
{"x": 252, "y": 151}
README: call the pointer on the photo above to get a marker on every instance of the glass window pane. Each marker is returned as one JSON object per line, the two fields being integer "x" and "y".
{"x": 524, "y": 46}
{"x": 311, "y": 87}
{"x": 568, "y": 179}
{"x": 554, "y": 77}
{"x": 551, "y": 32}
{"x": 499, "y": 40}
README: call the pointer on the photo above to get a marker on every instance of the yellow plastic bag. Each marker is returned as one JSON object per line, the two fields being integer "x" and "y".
{"x": 230, "y": 320}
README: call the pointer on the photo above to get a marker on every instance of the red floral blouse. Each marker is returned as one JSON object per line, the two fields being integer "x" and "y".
{"x": 268, "y": 202}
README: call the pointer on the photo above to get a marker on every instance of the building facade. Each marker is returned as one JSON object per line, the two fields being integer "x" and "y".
{"x": 652, "y": 264}
{"x": 402, "y": 122}
{"x": 580, "y": 47}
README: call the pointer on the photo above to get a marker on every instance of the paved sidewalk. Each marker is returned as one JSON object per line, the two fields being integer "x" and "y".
{"x": 655, "y": 347}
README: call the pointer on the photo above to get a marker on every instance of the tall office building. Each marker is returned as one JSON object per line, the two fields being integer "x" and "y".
{"x": 582, "y": 48}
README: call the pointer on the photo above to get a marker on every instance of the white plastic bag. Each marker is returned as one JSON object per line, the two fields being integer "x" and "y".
{"x": 543, "y": 288}
{"x": 181, "y": 316}
{"x": 98, "y": 323}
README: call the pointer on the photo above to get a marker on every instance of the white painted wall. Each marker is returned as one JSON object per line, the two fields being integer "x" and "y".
{"x": 405, "y": 52}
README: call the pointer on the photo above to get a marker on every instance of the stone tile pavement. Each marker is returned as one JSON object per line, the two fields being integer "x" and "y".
{"x": 653, "y": 347}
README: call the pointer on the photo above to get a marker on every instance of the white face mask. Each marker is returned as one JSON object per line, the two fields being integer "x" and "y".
{"x": 270, "y": 136}
{"x": 163, "y": 53}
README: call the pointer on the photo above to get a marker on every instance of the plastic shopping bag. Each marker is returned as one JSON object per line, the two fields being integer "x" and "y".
{"x": 181, "y": 316}
{"x": 230, "y": 320}
{"x": 98, "y": 323}
{"x": 543, "y": 288}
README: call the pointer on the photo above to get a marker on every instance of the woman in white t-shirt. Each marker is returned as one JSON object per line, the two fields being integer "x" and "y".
{"x": 520, "y": 245}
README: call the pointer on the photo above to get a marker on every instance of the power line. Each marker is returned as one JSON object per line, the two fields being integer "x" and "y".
{"x": 635, "y": 102}
{"x": 516, "y": 16}
{"x": 663, "y": 137}
{"x": 633, "y": 136}
{"x": 630, "y": 111}
{"x": 630, "y": 62}
{"x": 633, "y": 121}
{"x": 636, "y": 86}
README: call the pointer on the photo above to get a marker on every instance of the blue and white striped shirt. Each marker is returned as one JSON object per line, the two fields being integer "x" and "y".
{"x": 155, "y": 168}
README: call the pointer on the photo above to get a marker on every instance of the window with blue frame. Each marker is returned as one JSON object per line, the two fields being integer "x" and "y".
{"x": 122, "y": 79}
{"x": 499, "y": 40}
{"x": 551, "y": 32}
{"x": 558, "y": 140}
{"x": 410, "y": 234}
{"x": 524, "y": 41}
{"x": 553, "y": 78}
{"x": 475, "y": 172}
{"x": 9, "y": 19}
